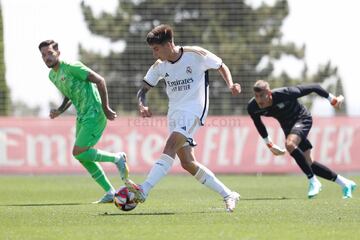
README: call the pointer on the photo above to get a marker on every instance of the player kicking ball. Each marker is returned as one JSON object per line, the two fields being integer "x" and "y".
{"x": 86, "y": 90}
{"x": 296, "y": 122}
{"x": 184, "y": 70}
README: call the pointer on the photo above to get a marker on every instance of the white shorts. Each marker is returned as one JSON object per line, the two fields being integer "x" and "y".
{"x": 185, "y": 123}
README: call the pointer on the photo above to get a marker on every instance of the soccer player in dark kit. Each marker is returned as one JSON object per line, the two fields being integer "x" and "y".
{"x": 296, "y": 122}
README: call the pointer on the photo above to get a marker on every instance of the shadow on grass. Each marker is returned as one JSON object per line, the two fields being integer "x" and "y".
{"x": 212, "y": 210}
{"x": 106, "y": 214}
{"x": 266, "y": 199}
{"x": 42, "y": 204}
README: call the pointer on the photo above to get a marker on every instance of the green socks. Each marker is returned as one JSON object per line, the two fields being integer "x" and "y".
{"x": 94, "y": 155}
{"x": 89, "y": 160}
{"x": 98, "y": 174}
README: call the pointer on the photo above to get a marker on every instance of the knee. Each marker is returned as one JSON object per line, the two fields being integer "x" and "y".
{"x": 170, "y": 147}
{"x": 78, "y": 150}
{"x": 174, "y": 143}
{"x": 78, "y": 154}
{"x": 290, "y": 145}
{"x": 75, "y": 153}
{"x": 188, "y": 166}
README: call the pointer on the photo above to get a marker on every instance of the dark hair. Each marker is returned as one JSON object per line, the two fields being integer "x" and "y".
{"x": 261, "y": 85}
{"x": 160, "y": 35}
{"x": 49, "y": 43}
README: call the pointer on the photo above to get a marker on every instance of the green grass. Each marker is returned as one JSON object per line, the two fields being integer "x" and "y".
{"x": 272, "y": 207}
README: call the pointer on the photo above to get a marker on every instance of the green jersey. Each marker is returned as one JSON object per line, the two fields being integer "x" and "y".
{"x": 71, "y": 80}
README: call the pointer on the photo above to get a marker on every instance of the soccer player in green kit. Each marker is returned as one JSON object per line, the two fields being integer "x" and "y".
{"x": 86, "y": 90}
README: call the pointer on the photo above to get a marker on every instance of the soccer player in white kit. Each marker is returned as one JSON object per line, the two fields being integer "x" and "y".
{"x": 184, "y": 70}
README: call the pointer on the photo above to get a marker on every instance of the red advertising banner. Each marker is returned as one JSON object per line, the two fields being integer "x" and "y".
{"x": 225, "y": 145}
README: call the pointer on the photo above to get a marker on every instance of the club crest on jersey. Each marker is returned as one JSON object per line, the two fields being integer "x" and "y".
{"x": 281, "y": 105}
{"x": 188, "y": 70}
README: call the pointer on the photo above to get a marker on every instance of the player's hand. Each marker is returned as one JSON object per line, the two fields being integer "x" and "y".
{"x": 109, "y": 113}
{"x": 54, "y": 113}
{"x": 337, "y": 101}
{"x": 144, "y": 111}
{"x": 235, "y": 89}
{"x": 275, "y": 149}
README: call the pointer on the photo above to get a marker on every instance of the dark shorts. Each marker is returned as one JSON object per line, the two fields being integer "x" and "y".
{"x": 301, "y": 128}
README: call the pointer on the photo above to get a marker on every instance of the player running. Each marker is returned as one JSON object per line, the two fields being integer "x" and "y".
{"x": 185, "y": 71}
{"x": 296, "y": 121}
{"x": 87, "y": 91}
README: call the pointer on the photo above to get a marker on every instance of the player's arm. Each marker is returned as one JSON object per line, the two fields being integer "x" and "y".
{"x": 101, "y": 86}
{"x": 226, "y": 75}
{"x": 62, "y": 108}
{"x": 275, "y": 149}
{"x": 304, "y": 90}
{"x": 142, "y": 103}
{"x": 211, "y": 61}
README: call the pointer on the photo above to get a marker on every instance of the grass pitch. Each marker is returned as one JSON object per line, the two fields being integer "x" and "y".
{"x": 272, "y": 207}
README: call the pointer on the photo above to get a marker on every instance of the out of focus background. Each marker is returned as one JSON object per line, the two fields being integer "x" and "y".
{"x": 45, "y": 193}
{"x": 286, "y": 42}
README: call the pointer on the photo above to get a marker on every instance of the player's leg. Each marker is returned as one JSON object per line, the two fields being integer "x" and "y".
{"x": 200, "y": 172}
{"x": 88, "y": 134}
{"x": 295, "y": 138}
{"x": 99, "y": 176}
{"x": 179, "y": 125}
{"x": 206, "y": 177}
{"x": 292, "y": 143}
{"x": 160, "y": 169}
{"x": 96, "y": 155}
{"x": 347, "y": 185}
{"x": 94, "y": 169}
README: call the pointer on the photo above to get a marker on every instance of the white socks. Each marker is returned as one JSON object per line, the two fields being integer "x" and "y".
{"x": 314, "y": 179}
{"x": 203, "y": 175}
{"x": 157, "y": 172}
{"x": 341, "y": 181}
{"x": 206, "y": 177}
{"x": 111, "y": 191}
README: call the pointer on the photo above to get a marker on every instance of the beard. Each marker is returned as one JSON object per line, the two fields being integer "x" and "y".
{"x": 52, "y": 64}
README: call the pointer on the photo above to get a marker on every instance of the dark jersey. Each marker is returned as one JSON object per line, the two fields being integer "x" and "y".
{"x": 285, "y": 108}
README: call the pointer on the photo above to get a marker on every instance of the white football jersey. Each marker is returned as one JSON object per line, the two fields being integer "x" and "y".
{"x": 187, "y": 83}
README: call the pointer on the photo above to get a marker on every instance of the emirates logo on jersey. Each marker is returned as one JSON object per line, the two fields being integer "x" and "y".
{"x": 188, "y": 70}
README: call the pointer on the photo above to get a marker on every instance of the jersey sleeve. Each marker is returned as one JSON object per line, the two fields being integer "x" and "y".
{"x": 316, "y": 88}
{"x": 303, "y": 90}
{"x": 78, "y": 70}
{"x": 211, "y": 61}
{"x": 260, "y": 127}
{"x": 153, "y": 76}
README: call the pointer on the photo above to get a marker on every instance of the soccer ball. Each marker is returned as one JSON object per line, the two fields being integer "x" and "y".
{"x": 124, "y": 199}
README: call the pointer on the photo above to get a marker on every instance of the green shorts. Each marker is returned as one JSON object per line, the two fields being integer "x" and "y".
{"x": 89, "y": 131}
